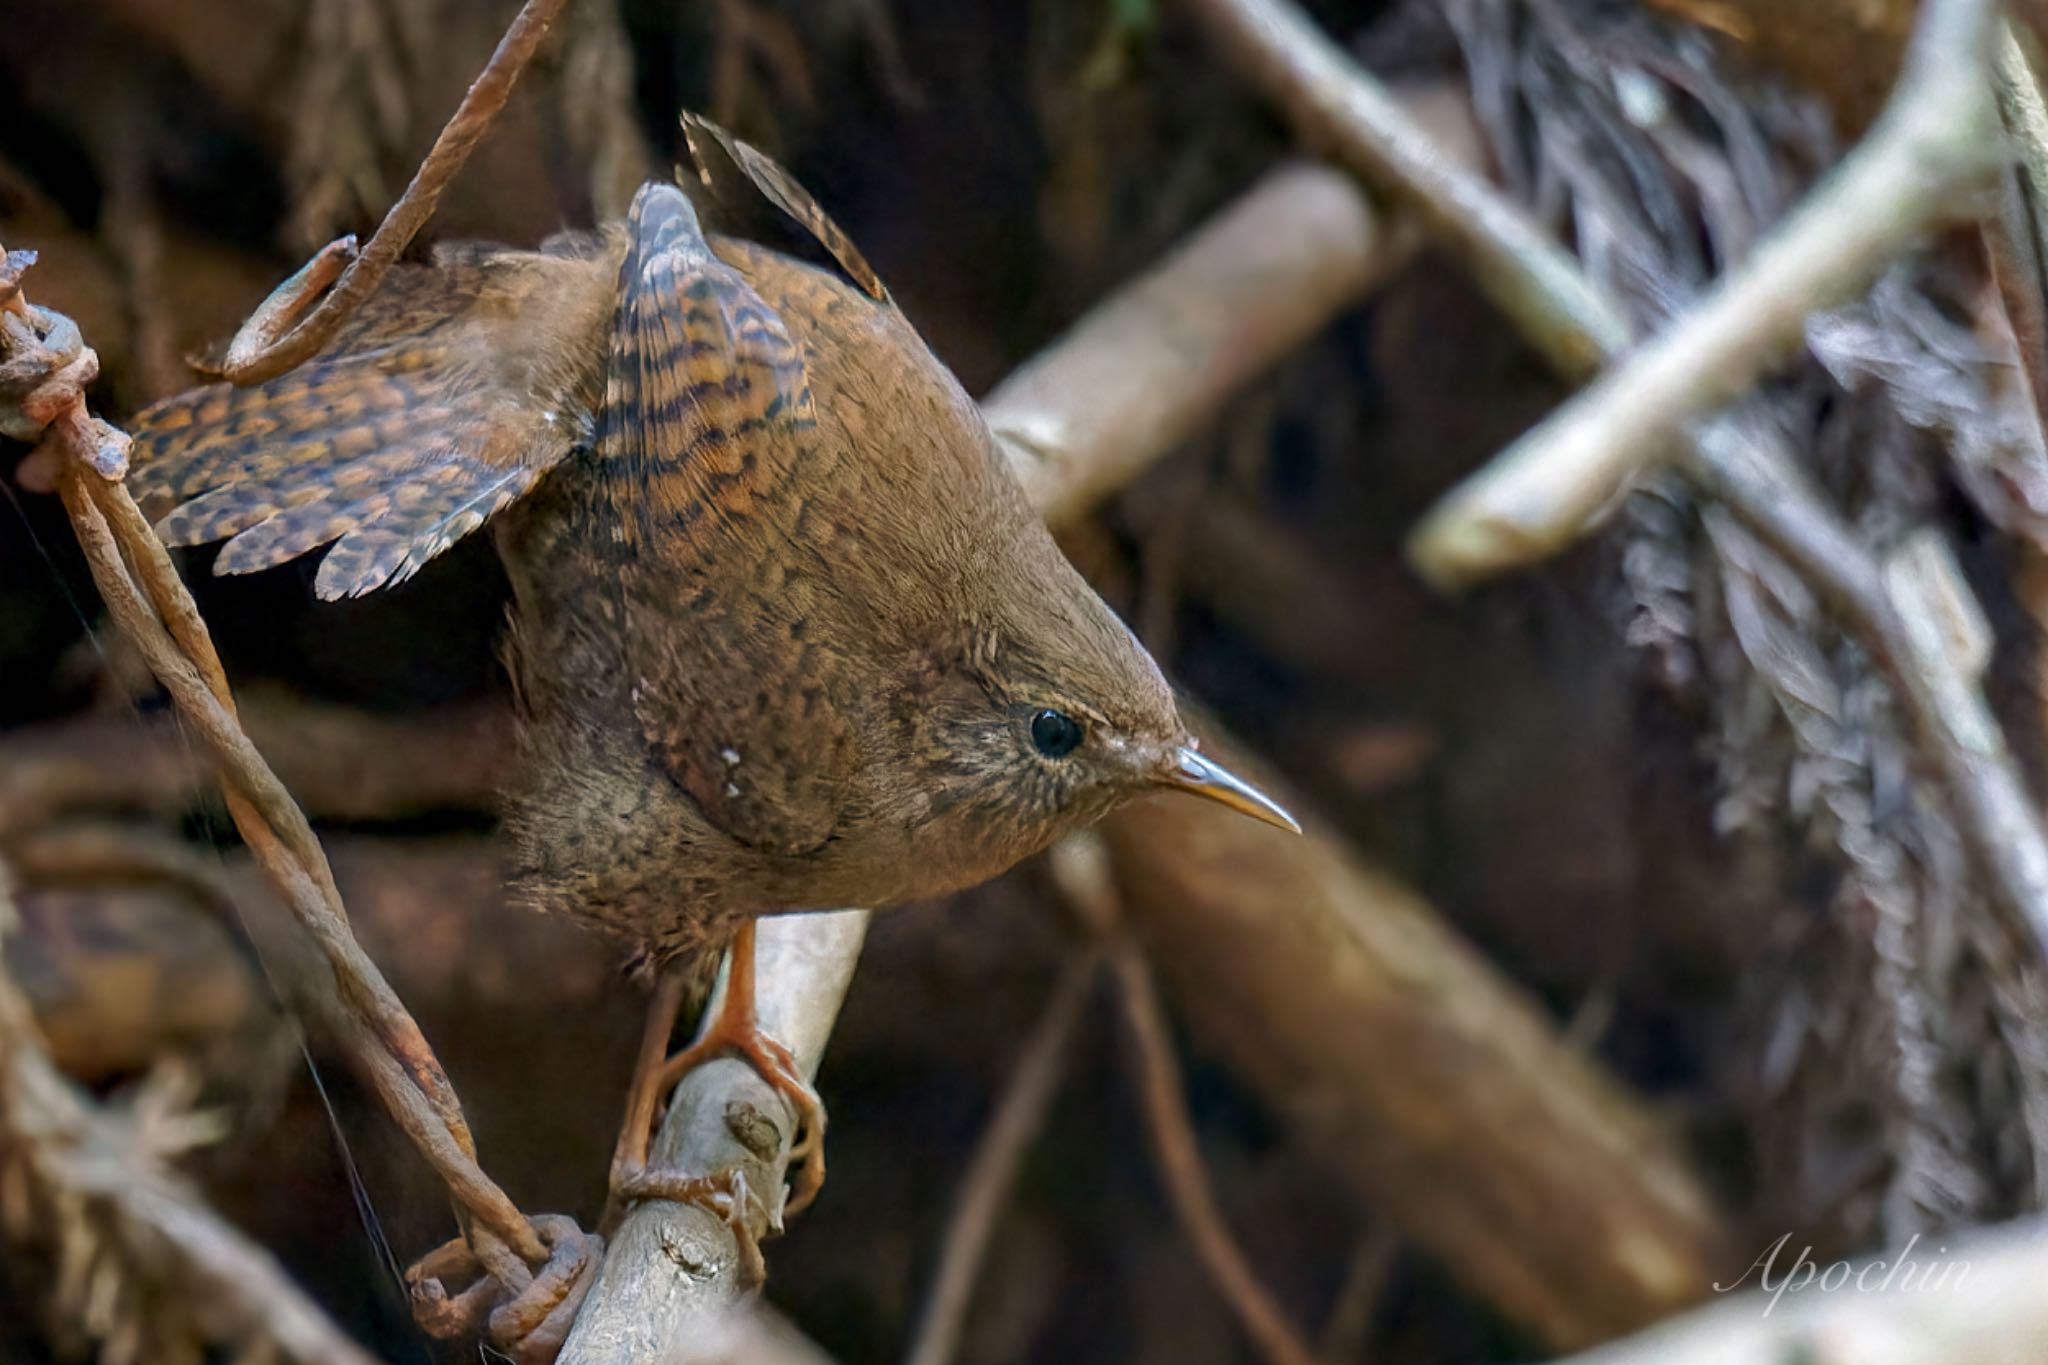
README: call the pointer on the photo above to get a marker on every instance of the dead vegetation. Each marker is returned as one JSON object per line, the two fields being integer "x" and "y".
{"x": 1682, "y": 890}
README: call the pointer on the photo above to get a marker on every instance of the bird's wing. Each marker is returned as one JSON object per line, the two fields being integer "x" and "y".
{"x": 444, "y": 398}
{"x": 707, "y": 438}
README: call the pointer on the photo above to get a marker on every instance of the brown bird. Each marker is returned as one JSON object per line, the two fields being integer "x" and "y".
{"x": 787, "y": 634}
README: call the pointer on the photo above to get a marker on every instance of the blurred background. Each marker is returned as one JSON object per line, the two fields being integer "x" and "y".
{"x": 1628, "y": 894}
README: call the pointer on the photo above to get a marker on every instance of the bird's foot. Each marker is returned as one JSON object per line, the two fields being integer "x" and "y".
{"x": 726, "y": 1196}
{"x": 737, "y": 1032}
{"x": 734, "y": 1029}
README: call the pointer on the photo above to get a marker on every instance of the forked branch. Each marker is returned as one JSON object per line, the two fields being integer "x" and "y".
{"x": 1931, "y": 156}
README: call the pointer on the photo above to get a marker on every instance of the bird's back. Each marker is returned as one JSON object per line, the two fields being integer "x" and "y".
{"x": 779, "y": 602}
{"x": 752, "y": 646}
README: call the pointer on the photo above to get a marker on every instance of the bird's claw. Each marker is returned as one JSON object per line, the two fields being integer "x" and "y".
{"x": 727, "y": 1196}
{"x": 773, "y": 1062}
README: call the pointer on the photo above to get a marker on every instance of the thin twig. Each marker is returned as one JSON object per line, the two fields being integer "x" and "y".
{"x": 985, "y": 1189}
{"x": 1914, "y": 170}
{"x": 1436, "y": 1092}
{"x": 1356, "y": 121}
{"x": 292, "y": 860}
{"x": 1080, "y": 865}
{"x": 121, "y": 549}
{"x": 1180, "y": 1165}
{"x": 258, "y": 351}
{"x": 2016, "y": 240}
{"x": 1348, "y": 1327}
{"x": 150, "y": 604}
{"x": 1921, "y": 166}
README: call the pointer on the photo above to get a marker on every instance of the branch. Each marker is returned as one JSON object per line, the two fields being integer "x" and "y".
{"x": 1434, "y": 1090}
{"x": 2016, "y": 240}
{"x": 1251, "y": 286}
{"x": 41, "y": 394}
{"x": 676, "y": 1274}
{"x": 340, "y": 762}
{"x": 1930, "y": 151}
{"x": 152, "y": 968}
{"x": 1924, "y": 161}
{"x": 1080, "y": 868}
{"x": 1928, "y": 161}
{"x": 1178, "y": 1157}
{"x": 276, "y": 337}
{"x": 401, "y": 1065}
{"x": 1337, "y": 108}
{"x": 985, "y": 1189}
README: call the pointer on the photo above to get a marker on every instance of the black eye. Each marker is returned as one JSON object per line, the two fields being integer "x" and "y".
{"x": 1055, "y": 733}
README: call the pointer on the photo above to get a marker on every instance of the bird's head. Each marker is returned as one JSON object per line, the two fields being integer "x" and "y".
{"x": 1046, "y": 714}
{"x": 1011, "y": 705}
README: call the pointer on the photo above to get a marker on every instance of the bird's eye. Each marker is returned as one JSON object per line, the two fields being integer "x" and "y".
{"x": 1055, "y": 733}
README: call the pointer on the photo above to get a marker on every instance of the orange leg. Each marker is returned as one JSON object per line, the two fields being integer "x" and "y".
{"x": 735, "y": 1029}
{"x": 629, "y": 1156}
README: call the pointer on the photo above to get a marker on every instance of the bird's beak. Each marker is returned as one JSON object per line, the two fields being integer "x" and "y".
{"x": 1188, "y": 771}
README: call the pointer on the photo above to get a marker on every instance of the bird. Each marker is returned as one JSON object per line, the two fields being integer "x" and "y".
{"x": 786, "y": 634}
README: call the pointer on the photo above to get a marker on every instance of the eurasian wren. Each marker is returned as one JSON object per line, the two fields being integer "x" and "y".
{"x": 787, "y": 634}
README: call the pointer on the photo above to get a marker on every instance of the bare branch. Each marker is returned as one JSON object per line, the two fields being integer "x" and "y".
{"x": 1927, "y": 162}
{"x": 676, "y": 1274}
{"x": 1922, "y": 165}
{"x": 1434, "y": 1090}
{"x": 1255, "y": 283}
{"x": 1338, "y": 109}
{"x": 1347, "y": 1329}
{"x": 1081, "y": 867}
{"x": 985, "y": 1189}
{"x": 1932, "y": 148}
{"x": 150, "y": 604}
{"x": 1180, "y": 1166}
{"x": 341, "y": 763}
{"x": 2016, "y": 239}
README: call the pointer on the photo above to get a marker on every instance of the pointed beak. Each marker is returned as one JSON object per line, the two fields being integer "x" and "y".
{"x": 1188, "y": 771}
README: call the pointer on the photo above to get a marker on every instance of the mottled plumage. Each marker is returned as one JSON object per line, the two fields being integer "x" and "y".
{"x": 786, "y": 631}
{"x": 439, "y": 403}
